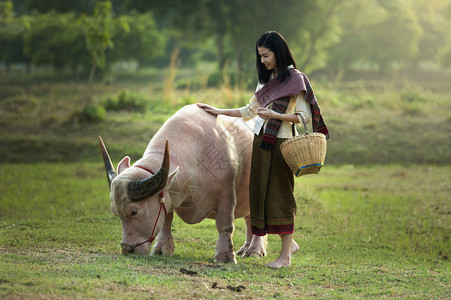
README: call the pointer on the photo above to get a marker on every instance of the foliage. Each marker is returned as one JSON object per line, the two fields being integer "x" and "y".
{"x": 383, "y": 34}
{"x": 329, "y": 35}
{"x": 127, "y": 101}
{"x": 98, "y": 34}
{"x": 92, "y": 113}
{"x": 6, "y": 11}
{"x": 235, "y": 33}
{"x": 140, "y": 40}
{"x": 444, "y": 55}
{"x": 55, "y": 40}
{"x": 435, "y": 25}
{"x": 63, "y": 6}
{"x": 313, "y": 39}
{"x": 11, "y": 31}
{"x": 397, "y": 35}
{"x": 323, "y": 35}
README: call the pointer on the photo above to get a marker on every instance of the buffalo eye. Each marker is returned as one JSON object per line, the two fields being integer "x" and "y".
{"x": 133, "y": 212}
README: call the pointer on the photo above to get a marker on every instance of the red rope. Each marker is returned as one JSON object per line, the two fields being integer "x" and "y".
{"x": 151, "y": 239}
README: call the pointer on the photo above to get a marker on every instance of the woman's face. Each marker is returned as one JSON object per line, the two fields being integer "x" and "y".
{"x": 268, "y": 59}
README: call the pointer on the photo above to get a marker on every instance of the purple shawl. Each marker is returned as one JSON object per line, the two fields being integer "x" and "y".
{"x": 291, "y": 86}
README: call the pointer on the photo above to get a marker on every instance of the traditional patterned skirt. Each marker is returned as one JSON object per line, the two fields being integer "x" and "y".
{"x": 272, "y": 202}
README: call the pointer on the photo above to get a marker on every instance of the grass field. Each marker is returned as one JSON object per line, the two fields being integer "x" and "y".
{"x": 363, "y": 232}
{"x": 375, "y": 222}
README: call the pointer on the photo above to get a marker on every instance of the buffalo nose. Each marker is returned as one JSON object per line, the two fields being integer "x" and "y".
{"x": 126, "y": 249}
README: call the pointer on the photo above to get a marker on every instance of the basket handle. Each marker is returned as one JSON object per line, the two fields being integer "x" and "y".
{"x": 301, "y": 118}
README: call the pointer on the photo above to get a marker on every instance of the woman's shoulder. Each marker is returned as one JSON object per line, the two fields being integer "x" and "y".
{"x": 259, "y": 86}
{"x": 297, "y": 72}
{"x": 300, "y": 77}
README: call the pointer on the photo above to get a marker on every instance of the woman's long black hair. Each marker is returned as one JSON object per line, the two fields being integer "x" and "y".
{"x": 275, "y": 42}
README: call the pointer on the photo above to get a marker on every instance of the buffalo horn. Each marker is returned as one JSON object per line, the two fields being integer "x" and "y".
{"x": 139, "y": 190}
{"x": 109, "y": 169}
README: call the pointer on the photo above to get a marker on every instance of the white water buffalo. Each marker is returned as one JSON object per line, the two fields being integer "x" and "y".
{"x": 204, "y": 175}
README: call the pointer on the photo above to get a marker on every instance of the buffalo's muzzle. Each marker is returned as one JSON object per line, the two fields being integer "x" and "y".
{"x": 126, "y": 249}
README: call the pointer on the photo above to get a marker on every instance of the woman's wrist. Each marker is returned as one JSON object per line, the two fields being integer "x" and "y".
{"x": 283, "y": 117}
{"x": 234, "y": 112}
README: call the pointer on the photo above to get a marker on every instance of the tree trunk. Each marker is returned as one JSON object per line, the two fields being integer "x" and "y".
{"x": 92, "y": 74}
{"x": 220, "y": 48}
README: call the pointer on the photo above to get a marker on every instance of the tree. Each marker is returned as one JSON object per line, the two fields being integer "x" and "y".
{"x": 382, "y": 34}
{"x": 355, "y": 17}
{"x": 444, "y": 54}
{"x": 6, "y": 11}
{"x": 395, "y": 38}
{"x": 435, "y": 25}
{"x": 308, "y": 25}
{"x": 11, "y": 31}
{"x": 64, "y": 6}
{"x": 98, "y": 30}
{"x": 54, "y": 39}
{"x": 142, "y": 41}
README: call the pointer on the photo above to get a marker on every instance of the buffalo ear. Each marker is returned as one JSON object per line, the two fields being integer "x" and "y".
{"x": 123, "y": 165}
{"x": 171, "y": 180}
{"x": 171, "y": 177}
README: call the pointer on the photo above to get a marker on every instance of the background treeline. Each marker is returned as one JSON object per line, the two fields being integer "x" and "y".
{"x": 86, "y": 36}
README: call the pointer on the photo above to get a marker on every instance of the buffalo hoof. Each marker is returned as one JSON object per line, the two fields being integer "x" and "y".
{"x": 225, "y": 257}
{"x": 254, "y": 252}
{"x": 160, "y": 249}
{"x": 243, "y": 249}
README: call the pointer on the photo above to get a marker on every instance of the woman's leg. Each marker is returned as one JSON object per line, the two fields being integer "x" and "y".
{"x": 289, "y": 246}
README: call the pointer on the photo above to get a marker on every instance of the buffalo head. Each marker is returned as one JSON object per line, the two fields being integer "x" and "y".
{"x": 137, "y": 198}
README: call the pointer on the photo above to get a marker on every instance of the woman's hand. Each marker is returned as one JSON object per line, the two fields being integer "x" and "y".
{"x": 266, "y": 113}
{"x": 234, "y": 112}
{"x": 209, "y": 108}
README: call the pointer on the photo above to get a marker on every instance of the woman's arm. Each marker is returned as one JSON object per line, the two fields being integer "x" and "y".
{"x": 302, "y": 107}
{"x": 234, "y": 112}
{"x": 266, "y": 113}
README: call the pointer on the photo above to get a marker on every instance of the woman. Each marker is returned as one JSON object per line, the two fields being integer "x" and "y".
{"x": 282, "y": 93}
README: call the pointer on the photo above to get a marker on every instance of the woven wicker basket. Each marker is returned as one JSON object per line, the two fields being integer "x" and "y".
{"x": 305, "y": 154}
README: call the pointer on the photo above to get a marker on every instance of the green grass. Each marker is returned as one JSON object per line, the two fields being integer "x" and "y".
{"x": 407, "y": 207}
{"x": 377, "y": 232}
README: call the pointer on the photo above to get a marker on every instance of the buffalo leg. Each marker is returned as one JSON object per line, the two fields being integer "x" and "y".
{"x": 165, "y": 242}
{"x": 224, "y": 224}
{"x": 247, "y": 243}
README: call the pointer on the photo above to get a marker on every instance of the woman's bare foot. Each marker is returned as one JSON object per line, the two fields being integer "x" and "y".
{"x": 289, "y": 246}
{"x": 294, "y": 247}
{"x": 279, "y": 263}
{"x": 257, "y": 248}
